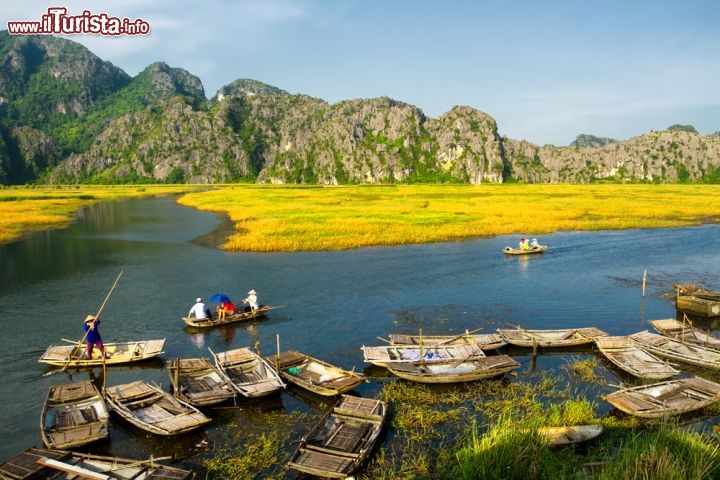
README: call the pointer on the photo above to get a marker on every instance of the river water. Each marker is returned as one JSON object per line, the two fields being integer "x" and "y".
{"x": 335, "y": 302}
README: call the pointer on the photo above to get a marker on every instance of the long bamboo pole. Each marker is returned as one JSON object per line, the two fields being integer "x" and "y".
{"x": 79, "y": 345}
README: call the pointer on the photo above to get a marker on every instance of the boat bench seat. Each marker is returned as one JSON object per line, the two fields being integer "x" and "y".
{"x": 71, "y": 418}
{"x": 346, "y": 436}
{"x": 196, "y": 385}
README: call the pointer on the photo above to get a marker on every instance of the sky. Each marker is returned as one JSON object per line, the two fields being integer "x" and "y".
{"x": 546, "y": 71}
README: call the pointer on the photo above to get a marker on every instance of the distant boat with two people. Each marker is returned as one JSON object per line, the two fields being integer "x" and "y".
{"x": 525, "y": 247}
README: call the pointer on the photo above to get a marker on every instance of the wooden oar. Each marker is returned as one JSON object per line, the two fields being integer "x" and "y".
{"x": 79, "y": 345}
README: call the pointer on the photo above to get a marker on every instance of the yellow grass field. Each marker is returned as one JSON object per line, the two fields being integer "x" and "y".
{"x": 271, "y": 218}
{"x": 24, "y": 209}
{"x": 295, "y": 218}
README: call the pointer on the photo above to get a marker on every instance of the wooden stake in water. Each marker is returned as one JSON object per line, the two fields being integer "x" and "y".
{"x": 644, "y": 282}
{"x": 277, "y": 359}
{"x": 642, "y": 305}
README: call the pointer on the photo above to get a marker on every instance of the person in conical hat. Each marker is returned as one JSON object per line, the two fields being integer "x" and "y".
{"x": 92, "y": 336}
{"x": 252, "y": 300}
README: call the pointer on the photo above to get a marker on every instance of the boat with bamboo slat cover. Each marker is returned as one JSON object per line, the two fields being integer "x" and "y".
{"x": 386, "y": 354}
{"x": 315, "y": 375}
{"x": 454, "y": 371}
{"x": 685, "y": 332}
{"x": 671, "y": 397}
{"x": 239, "y": 316}
{"x": 564, "y": 337}
{"x": 250, "y": 374}
{"x": 629, "y": 357}
{"x": 343, "y": 439}
{"x": 486, "y": 341}
{"x": 73, "y": 414}
{"x": 154, "y": 410}
{"x": 198, "y": 382}
{"x": 52, "y": 464}
{"x": 667, "y": 347}
{"x": 117, "y": 353}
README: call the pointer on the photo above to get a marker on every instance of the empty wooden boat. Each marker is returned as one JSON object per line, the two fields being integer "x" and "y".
{"x": 386, "y": 354}
{"x": 51, "y": 464}
{"x": 698, "y": 304}
{"x": 674, "y": 349}
{"x": 342, "y": 441}
{"x": 629, "y": 357}
{"x": 564, "y": 337}
{"x": 454, "y": 371}
{"x": 486, "y": 341}
{"x": 239, "y": 316}
{"x": 154, "y": 410}
{"x": 686, "y": 332}
{"x": 568, "y": 435}
{"x": 315, "y": 375}
{"x": 697, "y": 300}
{"x": 249, "y": 373}
{"x": 74, "y": 414}
{"x": 198, "y": 382}
{"x": 671, "y": 397}
{"x": 69, "y": 356}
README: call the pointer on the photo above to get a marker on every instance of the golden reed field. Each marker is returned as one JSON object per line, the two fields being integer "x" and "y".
{"x": 292, "y": 218}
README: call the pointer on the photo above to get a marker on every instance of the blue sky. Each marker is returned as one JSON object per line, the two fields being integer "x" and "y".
{"x": 545, "y": 71}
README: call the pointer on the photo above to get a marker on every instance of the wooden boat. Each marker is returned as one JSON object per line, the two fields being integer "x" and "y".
{"x": 117, "y": 353}
{"x": 342, "y": 441}
{"x": 628, "y": 356}
{"x": 73, "y": 414}
{"x": 239, "y": 316}
{"x": 697, "y": 291}
{"x": 486, "y": 341}
{"x": 198, "y": 382}
{"x": 698, "y": 304}
{"x": 315, "y": 375}
{"x": 454, "y": 371}
{"x": 51, "y": 464}
{"x": 565, "y": 337}
{"x": 671, "y": 397}
{"x": 154, "y": 410}
{"x": 386, "y": 354}
{"x": 249, "y": 373}
{"x": 508, "y": 250}
{"x": 568, "y": 435}
{"x": 667, "y": 347}
{"x": 685, "y": 332}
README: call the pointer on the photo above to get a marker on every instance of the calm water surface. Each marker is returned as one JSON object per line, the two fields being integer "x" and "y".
{"x": 335, "y": 301}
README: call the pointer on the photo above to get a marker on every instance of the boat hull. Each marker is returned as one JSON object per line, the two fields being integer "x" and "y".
{"x": 315, "y": 375}
{"x": 71, "y": 356}
{"x": 566, "y": 337}
{"x": 199, "y": 383}
{"x": 671, "y": 397}
{"x": 238, "y": 317}
{"x": 453, "y": 372}
{"x": 74, "y": 414}
{"x": 154, "y": 410}
{"x": 343, "y": 439}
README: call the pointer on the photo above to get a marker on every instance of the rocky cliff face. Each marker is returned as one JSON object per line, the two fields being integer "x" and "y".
{"x": 666, "y": 156}
{"x": 67, "y": 116}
